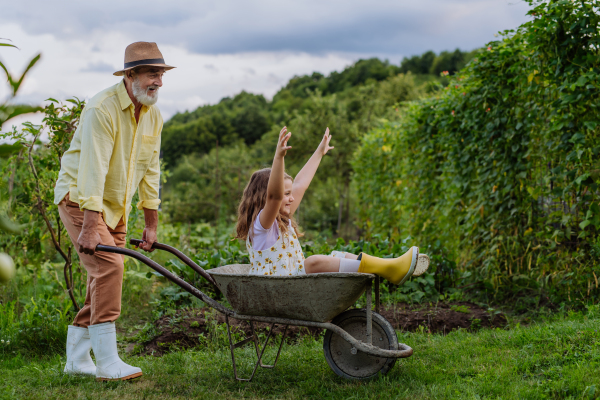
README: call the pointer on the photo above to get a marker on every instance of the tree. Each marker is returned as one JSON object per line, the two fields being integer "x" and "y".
{"x": 38, "y": 166}
{"x": 418, "y": 64}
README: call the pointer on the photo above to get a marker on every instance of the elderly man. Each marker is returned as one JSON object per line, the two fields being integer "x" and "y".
{"x": 114, "y": 151}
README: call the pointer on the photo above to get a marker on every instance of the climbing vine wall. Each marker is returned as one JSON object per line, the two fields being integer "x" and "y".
{"x": 500, "y": 169}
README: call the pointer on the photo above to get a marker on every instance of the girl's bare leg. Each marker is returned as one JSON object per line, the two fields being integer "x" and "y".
{"x": 316, "y": 264}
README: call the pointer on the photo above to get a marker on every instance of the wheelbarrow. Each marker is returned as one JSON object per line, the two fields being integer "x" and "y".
{"x": 358, "y": 343}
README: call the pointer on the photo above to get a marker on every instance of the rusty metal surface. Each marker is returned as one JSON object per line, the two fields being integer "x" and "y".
{"x": 314, "y": 297}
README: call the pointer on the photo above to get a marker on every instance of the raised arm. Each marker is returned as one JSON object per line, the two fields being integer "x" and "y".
{"x": 307, "y": 173}
{"x": 275, "y": 188}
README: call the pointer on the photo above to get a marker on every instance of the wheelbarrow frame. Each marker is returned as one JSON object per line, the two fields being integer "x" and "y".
{"x": 358, "y": 345}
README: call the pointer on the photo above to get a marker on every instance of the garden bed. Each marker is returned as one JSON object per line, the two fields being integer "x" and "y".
{"x": 191, "y": 328}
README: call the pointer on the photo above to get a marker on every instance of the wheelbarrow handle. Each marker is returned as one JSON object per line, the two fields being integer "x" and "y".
{"x": 138, "y": 242}
{"x": 181, "y": 256}
{"x": 167, "y": 274}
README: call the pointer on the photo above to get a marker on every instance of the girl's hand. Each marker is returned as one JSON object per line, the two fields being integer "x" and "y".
{"x": 282, "y": 146}
{"x": 324, "y": 145}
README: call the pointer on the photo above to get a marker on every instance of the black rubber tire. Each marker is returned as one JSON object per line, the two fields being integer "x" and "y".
{"x": 359, "y": 366}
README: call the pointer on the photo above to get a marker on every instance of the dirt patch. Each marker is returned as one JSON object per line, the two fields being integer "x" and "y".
{"x": 442, "y": 317}
{"x": 191, "y": 328}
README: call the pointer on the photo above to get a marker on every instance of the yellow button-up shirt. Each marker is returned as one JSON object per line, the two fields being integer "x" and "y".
{"x": 111, "y": 155}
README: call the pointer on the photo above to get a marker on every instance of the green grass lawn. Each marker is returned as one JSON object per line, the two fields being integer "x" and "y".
{"x": 554, "y": 360}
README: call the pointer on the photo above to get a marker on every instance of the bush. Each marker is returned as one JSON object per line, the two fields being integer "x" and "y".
{"x": 501, "y": 165}
{"x": 37, "y": 329}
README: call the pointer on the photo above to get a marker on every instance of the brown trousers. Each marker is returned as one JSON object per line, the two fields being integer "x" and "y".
{"x": 104, "y": 270}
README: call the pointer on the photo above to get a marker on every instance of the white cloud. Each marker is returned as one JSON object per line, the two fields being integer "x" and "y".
{"x": 79, "y": 68}
{"x": 221, "y": 48}
{"x": 231, "y": 26}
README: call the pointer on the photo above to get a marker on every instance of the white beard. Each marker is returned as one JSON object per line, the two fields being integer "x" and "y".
{"x": 142, "y": 95}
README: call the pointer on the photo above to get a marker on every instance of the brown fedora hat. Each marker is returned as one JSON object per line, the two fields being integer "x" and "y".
{"x": 142, "y": 53}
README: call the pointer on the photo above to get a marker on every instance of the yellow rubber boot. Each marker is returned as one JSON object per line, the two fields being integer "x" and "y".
{"x": 395, "y": 270}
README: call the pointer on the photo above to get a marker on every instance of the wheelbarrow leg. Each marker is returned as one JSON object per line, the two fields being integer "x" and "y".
{"x": 265, "y": 346}
{"x": 259, "y": 352}
{"x": 369, "y": 314}
{"x": 377, "y": 300}
{"x": 232, "y": 348}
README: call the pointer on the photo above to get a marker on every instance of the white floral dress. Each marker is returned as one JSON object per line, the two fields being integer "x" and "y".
{"x": 284, "y": 258}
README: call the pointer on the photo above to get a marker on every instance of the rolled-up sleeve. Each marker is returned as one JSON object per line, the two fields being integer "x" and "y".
{"x": 148, "y": 188}
{"x": 97, "y": 143}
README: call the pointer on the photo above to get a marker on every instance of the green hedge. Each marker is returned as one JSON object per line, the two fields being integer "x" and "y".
{"x": 502, "y": 166}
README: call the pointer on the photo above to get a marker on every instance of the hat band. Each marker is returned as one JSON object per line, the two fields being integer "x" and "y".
{"x": 143, "y": 62}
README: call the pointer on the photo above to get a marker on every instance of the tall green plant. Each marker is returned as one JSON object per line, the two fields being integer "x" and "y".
{"x": 502, "y": 166}
{"x": 9, "y": 110}
{"x": 37, "y": 169}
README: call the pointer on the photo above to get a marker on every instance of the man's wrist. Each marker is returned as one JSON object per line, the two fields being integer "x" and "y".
{"x": 90, "y": 220}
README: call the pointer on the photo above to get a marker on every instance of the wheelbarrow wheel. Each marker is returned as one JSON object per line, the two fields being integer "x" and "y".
{"x": 349, "y": 363}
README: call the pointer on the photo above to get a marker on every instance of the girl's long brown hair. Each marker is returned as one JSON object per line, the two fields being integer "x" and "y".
{"x": 254, "y": 199}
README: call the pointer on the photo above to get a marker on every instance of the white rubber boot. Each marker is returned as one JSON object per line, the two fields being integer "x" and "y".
{"x": 79, "y": 345}
{"x": 109, "y": 366}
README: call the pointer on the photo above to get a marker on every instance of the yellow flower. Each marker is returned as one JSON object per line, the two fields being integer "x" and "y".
{"x": 272, "y": 248}
{"x": 280, "y": 255}
{"x": 283, "y": 245}
{"x": 259, "y": 253}
{"x": 294, "y": 236}
{"x": 289, "y": 254}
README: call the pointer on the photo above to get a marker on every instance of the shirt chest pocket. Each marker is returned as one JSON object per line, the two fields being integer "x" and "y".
{"x": 147, "y": 148}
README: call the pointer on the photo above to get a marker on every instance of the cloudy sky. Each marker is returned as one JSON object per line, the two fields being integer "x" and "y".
{"x": 223, "y": 47}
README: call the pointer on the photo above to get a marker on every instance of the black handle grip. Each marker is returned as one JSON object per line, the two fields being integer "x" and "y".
{"x": 138, "y": 242}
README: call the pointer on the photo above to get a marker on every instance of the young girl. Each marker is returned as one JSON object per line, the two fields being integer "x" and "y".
{"x": 265, "y": 221}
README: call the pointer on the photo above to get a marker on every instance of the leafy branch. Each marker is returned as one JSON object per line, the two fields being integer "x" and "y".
{"x": 61, "y": 122}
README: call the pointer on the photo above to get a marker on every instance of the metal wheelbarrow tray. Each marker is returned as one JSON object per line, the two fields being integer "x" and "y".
{"x": 358, "y": 344}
